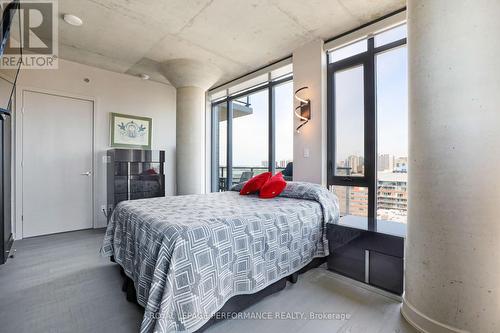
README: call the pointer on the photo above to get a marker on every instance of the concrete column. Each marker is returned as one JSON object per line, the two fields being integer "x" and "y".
{"x": 453, "y": 246}
{"x": 192, "y": 79}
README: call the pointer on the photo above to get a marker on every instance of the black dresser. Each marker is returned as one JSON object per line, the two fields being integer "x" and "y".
{"x": 373, "y": 254}
{"x": 135, "y": 174}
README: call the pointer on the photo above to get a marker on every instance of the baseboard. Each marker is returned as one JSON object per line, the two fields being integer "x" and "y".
{"x": 368, "y": 287}
{"x": 423, "y": 323}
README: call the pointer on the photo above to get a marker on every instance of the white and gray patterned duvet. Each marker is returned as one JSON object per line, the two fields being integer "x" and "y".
{"x": 188, "y": 255}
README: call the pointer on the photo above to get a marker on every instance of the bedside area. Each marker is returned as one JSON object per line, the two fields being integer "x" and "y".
{"x": 368, "y": 251}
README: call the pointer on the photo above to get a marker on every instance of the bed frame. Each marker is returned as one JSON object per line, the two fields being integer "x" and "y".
{"x": 237, "y": 303}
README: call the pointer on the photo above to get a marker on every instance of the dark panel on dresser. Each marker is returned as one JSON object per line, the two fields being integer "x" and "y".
{"x": 346, "y": 260}
{"x": 135, "y": 174}
{"x": 386, "y": 272}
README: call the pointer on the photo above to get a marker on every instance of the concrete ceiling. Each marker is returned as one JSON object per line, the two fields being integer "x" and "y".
{"x": 238, "y": 36}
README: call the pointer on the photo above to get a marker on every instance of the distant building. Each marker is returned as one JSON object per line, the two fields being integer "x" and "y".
{"x": 401, "y": 165}
{"x": 282, "y": 164}
{"x": 352, "y": 200}
{"x": 356, "y": 164}
{"x": 392, "y": 197}
{"x": 385, "y": 162}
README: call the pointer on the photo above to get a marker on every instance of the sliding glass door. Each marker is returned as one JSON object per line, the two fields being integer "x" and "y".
{"x": 252, "y": 132}
{"x": 219, "y": 144}
{"x": 283, "y": 104}
{"x": 250, "y": 139}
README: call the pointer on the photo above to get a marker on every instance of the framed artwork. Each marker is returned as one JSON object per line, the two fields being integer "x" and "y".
{"x": 130, "y": 131}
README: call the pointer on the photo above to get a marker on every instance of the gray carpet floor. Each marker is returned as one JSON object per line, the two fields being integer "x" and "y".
{"x": 59, "y": 283}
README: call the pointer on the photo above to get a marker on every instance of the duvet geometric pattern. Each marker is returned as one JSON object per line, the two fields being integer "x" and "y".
{"x": 188, "y": 255}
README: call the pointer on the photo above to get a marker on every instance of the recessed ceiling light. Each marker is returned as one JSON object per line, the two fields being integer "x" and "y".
{"x": 144, "y": 76}
{"x": 73, "y": 20}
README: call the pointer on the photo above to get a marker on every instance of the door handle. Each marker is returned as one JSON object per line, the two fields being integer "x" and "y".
{"x": 88, "y": 173}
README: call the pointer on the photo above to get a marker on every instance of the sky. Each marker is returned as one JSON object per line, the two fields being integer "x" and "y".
{"x": 392, "y": 107}
{"x": 392, "y": 102}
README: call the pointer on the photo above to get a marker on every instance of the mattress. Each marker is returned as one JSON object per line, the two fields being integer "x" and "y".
{"x": 188, "y": 255}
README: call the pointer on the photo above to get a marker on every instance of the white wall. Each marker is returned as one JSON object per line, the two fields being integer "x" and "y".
{"x": 112, "y": 92}
{"x": 309, "y": 69}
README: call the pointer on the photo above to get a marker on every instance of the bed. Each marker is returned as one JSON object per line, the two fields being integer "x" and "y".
{"x": 189, "y": 255}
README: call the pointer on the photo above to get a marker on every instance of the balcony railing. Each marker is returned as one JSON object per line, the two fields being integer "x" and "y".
{"x": 241, "y": 174}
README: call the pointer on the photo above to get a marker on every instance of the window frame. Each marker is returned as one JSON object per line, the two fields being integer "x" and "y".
{"x": 269, "y": 86}
{"x": 369, "y": 179}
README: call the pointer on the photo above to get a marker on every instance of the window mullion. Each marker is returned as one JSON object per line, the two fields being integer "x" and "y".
{"x": 229, "y": 154}
{"x": 215, "y": 150}
{"x": 370, "y": 132}
{"x": 272, "y": 130}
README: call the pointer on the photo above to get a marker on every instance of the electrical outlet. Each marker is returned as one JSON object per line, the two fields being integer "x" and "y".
{"x": 306, "y": 152}
{"x": 104, "y": 208}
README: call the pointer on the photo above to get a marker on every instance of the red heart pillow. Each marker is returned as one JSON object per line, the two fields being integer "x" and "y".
{"x": 255, "y": 183}
{"x": 273, "y": 187}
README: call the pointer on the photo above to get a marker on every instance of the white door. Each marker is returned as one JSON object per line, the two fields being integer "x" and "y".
{"x": 57, "y": 163}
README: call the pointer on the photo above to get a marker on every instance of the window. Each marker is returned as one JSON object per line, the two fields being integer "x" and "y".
{"x": 220, "y": 125}
{"x": 349, "y": 50}
{"x": 283, "y": 105}
{"x": 390, "y": 35}
{"x": 252, "y": 132}
{"x": 349, "y": 122}
{"x": 352, "y": 200}
{"x": 368, "y": 127}
{"x": 250, "y": 139}
{"x": 392, "y": 133}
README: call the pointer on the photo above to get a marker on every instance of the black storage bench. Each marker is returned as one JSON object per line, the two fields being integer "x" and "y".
{"x": 372, "y": 253}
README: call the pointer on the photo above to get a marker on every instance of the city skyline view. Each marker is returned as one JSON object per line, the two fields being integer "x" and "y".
{"x": 392, "y": 195}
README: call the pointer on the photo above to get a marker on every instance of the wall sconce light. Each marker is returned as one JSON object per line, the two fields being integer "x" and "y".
{"x": 303, "y": 111}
